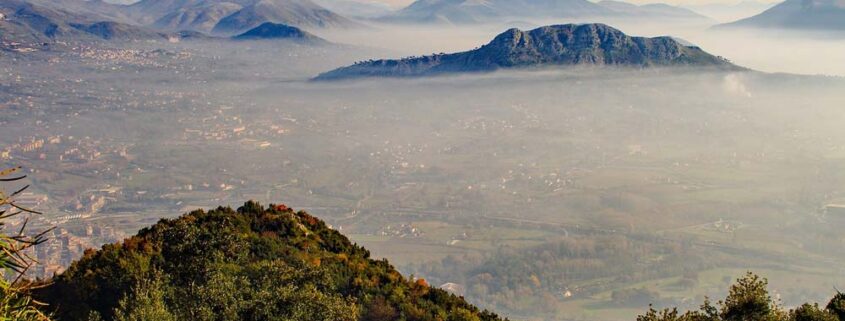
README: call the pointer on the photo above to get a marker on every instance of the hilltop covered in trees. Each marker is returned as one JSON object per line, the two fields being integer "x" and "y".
{"x": 253, "y": 263}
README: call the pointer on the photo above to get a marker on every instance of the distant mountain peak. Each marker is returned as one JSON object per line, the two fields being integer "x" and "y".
{"x": 474, "y": 11}
{"x": 799, "y": 15}
{"x": 569, "y": 44}
{"x": 270, "y": 30}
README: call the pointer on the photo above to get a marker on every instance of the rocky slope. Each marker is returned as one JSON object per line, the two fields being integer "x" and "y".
{"x": 587, "y": 44}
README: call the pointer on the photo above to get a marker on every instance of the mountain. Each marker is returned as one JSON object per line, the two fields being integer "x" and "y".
{"x": 201, "y": 18}
{"x": 473, "y": 11}
{"x": 357, "y": 8}
{"x": 25, "y": 22}
{"x": 31, "y": 23}
{"x": 232, "y": 16}
{"x": 253, "y": 263}
{"x": 586, "y": 44}
{"x": 654, "y": 11}
{"x": 109, "y": 30}
{"x": 730, "y": 12}
{"x": 269, "y": 30}
{"x": 93, "y": 10}
{"x": 799, "y": 14}
{"x": 300, "y": 13}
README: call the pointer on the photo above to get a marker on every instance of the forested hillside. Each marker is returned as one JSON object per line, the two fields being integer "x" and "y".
{"x": 253, "y": 263}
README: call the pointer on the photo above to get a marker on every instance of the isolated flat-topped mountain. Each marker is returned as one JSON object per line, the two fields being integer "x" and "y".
{"x": 799, "y": 14}
{"x": 277, "y": 31}
{"x": 586, "y": 44}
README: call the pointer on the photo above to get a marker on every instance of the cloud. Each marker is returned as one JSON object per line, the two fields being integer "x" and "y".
{"x": 734, "y": 85}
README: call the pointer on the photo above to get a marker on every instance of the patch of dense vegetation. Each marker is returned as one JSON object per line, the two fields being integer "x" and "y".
{"x": 749, "y": 300}
{"x": 253, "y": 263}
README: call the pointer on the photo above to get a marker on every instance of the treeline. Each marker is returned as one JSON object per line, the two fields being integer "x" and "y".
{"x": 535, "y": 279}
{"x": 253, "y": 263}
{"x": 749, "y": 300}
